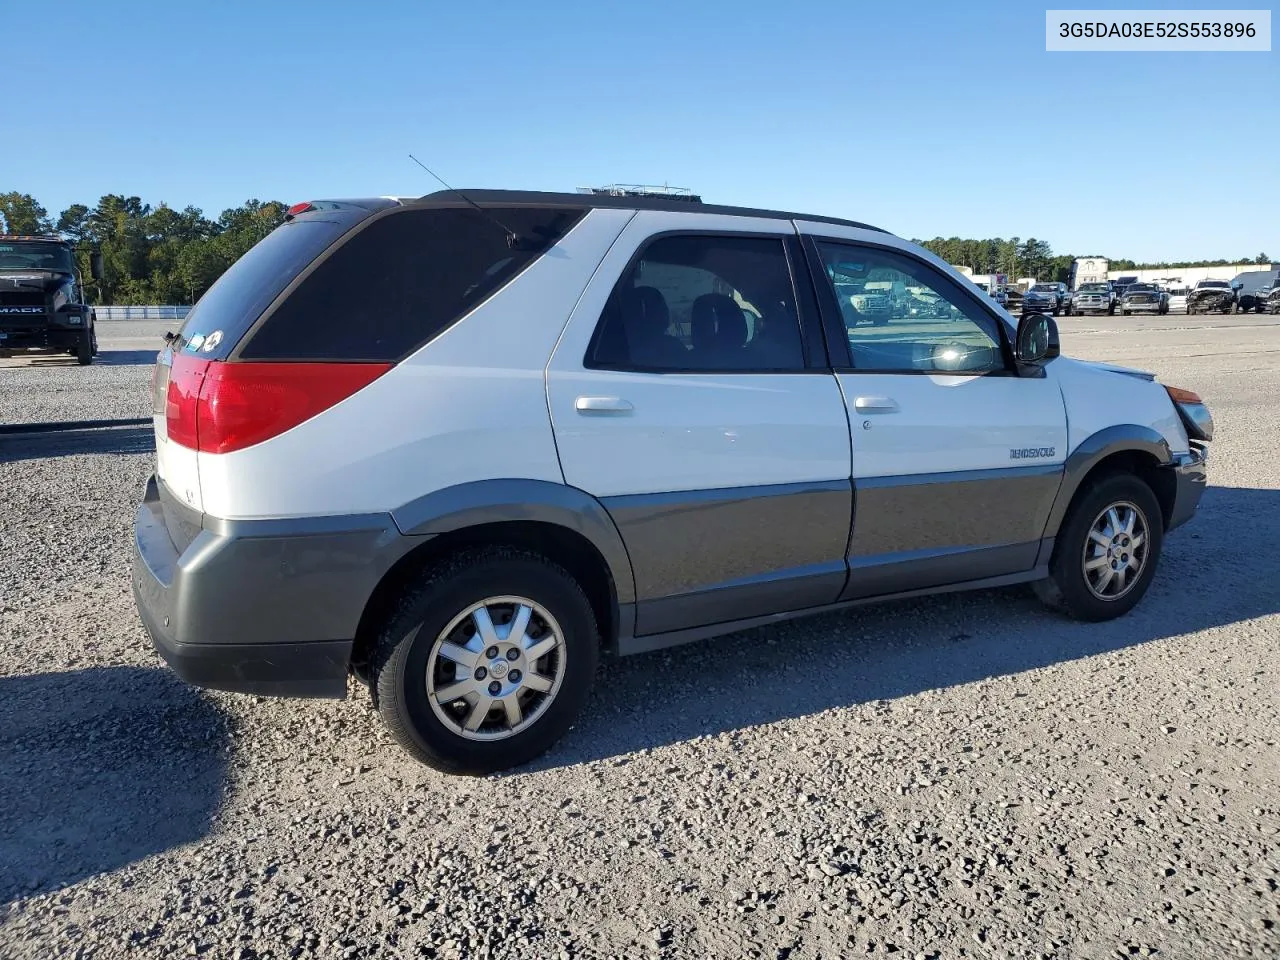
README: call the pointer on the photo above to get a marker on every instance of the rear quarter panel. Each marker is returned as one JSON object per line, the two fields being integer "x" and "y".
{"x": 470, "y": 405}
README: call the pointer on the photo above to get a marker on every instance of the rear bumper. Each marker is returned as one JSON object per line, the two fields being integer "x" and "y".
{"x": 264, "y": 607}
{"x": 1192, "y": 477}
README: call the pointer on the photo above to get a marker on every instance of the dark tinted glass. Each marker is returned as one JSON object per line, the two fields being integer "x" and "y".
{"x": 700, "y": 303}
{"x": 401, "y": 280}
{"x": 238, "y": 297}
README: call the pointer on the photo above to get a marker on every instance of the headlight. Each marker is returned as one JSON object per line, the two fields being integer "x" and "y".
{"x": 1194, "y": 414}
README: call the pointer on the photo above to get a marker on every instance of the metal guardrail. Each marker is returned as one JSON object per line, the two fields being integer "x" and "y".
{"x": 141, "y": 312}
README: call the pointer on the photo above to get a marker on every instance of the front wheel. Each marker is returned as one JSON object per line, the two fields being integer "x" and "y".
{"x": 1107, "y": 550}
{"x": 487, "y": 663}
{"x": 85, "y": 351}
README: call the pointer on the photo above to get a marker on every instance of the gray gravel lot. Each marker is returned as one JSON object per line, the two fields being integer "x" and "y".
{"x": 965, "y": 776}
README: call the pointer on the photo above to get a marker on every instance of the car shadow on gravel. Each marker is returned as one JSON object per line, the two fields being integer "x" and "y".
{"x": 100, "y": 768}
{"x": 67, "y": 443}
{"x": 106, "y": 358}
{"x": 1222, "y": 568}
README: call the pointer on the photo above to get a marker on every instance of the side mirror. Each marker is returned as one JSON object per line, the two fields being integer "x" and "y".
{"x": 1037, "y": 339}
{"x": 95, "y": 265}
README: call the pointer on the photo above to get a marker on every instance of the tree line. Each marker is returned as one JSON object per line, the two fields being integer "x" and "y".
{"x": 149, "y": 254}
{"x": 162, "y": 255}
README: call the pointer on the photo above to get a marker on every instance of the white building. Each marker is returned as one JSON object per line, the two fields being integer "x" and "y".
{"x": 1189, "y": 276}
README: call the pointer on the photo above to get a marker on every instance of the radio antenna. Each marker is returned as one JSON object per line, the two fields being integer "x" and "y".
{"x": 513, "y": 238}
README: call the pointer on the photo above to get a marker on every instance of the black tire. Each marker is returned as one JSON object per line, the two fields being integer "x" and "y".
{"x": 1190, "y": 311}
{"x": 1067, "y": 588}
{"x": 1124, "y": 313}
{"x": 398, "y": 667}
{"x": 1111, "y": 310}
{"x": 85, "y": 351}
{"x": 880, "y": 321}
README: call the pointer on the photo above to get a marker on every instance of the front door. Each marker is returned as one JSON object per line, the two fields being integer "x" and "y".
{"x": 956, "y": 459}
{"x": 682, "y": 398}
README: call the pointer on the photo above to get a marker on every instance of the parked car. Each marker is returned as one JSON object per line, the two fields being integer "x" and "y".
{"x": 1211, "y": 295}
{"x": 1046, "y": 298}
{"x": 1094, "y": 298}
{"x": 1272, "y": 302}
{"x": 1253, "y": 288}
{"x": 1177, "y": 299}
{"x": 1144, "y": 298}
{"x": 565, "y": 422}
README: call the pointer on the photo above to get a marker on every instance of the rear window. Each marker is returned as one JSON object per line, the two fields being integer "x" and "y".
{"x": 402, "y": 279}
{"x": 238, "y": 297}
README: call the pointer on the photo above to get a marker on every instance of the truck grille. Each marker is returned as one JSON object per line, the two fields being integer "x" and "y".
{"x": 21, "y": 298}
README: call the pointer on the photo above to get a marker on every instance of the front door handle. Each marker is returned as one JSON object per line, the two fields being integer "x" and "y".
{"x": 602, "y": 405}
{"x": 876, "y": 405}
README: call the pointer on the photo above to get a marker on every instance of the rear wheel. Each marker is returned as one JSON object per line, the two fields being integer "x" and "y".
{"x": 1107, "y": 550}
{"x": 487, "y": 663}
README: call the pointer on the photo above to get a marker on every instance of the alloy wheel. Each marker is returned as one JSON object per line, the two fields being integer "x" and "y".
{"x": 1115, "y": 552}
{"x": 495, "y": 668}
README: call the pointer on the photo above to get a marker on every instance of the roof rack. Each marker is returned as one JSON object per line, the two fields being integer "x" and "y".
{"x": 642, "y": 190}
{"x": 34, "y": 236}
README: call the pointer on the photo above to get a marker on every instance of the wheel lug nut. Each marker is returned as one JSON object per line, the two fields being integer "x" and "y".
{"x": 515, "y": 676}
{"x": 495, "y": 688}
{"x": 481, "y": 673}
{"x": 492, "y": 653}
{"x": 513, "y": 654}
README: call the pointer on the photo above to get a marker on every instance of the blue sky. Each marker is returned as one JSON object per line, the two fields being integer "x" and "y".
{"x": 927, "y": 119}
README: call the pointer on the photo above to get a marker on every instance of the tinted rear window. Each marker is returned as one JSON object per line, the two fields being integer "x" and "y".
{"x": 238, "y": 297}
{"x": 402, "y": 279}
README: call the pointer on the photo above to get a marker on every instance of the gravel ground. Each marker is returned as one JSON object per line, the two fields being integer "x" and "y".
{"x": 965, "y": 776}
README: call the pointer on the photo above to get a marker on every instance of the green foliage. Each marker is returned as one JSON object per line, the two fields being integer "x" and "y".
{"x": 149, "y": 254}
{"x": 20, "y": 213}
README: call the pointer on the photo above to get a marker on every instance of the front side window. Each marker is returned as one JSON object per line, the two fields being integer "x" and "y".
{"x": 696, "y": 303}
{"x": 900, "y": 315}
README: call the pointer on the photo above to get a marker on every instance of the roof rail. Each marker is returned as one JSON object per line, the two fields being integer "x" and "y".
{"x": 642, "y": 190}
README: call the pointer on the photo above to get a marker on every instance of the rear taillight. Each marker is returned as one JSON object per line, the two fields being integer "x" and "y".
{"x": 219, "y": 407}
{"x": 182, "y": 398}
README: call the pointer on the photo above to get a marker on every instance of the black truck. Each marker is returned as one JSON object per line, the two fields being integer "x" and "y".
{"x": 42, "y": 299}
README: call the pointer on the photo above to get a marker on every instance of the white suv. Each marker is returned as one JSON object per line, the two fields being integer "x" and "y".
{"x": 454, "y": 446}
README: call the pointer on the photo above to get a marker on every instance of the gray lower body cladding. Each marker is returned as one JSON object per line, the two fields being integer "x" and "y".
{"x": 268, "y": 607}
{"x": 272, "y": 606}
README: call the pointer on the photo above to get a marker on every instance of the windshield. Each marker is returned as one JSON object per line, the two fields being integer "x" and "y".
{"x": 1212, "y": 283}
{"x": 1044, "y": 288}
{"x": 35, "y": 255}
{"x": 1141, "y": 288}
{"x": 1094, "y": 288}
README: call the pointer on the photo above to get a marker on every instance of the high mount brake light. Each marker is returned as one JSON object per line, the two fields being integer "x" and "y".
{"x": 218, "y": 407}
{"x": 298, "y": 208}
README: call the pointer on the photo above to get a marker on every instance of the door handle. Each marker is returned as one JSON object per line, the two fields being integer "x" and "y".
{"x": 876, "y": 405}
{"x": 604, "y": 405}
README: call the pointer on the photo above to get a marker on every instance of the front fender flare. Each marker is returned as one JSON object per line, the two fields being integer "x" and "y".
{"x": 1095, "y": 448}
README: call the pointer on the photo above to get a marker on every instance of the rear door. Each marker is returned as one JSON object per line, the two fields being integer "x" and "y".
{"x": 690, "y": 395}
{"x": 956, "y": 460}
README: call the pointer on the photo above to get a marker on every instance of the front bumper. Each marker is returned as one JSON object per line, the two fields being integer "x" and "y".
{"x": 39, "y": 336}
{"x": 1192, "y": 477}
{"x": 262, "y": 607}
{"x": 1210, "y": 304}
{"x": 1144, "y": 307}
{"x": 1093, "y": 306}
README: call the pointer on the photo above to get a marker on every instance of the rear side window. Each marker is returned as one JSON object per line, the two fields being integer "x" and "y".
{"x": 697, "y": 303}
{"x": 238, "y": 297}
{"x": 401, "y": 280}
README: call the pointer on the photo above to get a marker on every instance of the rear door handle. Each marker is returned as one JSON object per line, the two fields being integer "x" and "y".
{"x": 876, "y": 405}
{"x": 603, "y": 405}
